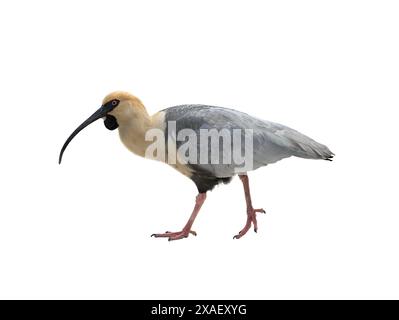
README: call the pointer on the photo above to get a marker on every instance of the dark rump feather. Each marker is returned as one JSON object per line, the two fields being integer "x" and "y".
{"x": 204, "y": 180}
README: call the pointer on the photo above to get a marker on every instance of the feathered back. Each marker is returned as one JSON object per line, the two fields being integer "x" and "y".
{"x": 271, "y": 141}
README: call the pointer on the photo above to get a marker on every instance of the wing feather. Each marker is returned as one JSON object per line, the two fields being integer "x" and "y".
{"x": 271, "y": 141}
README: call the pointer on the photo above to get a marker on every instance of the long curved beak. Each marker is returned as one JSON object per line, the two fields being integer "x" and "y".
{"x": 102, "y": 112}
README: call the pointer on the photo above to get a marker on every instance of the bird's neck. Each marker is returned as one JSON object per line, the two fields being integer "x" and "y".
{"x": 133, "y": 129}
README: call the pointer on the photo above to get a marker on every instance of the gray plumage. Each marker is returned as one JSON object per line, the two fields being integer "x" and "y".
{"x": 271, "y": 141}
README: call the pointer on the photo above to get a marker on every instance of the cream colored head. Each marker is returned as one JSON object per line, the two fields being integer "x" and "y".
{"x": 119, "y": 110}
{"x": 128, "y": 109}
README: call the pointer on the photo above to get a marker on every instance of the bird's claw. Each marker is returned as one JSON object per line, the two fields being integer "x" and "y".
{"x": 251, "y": 219}
{"x": 174, "y": 235}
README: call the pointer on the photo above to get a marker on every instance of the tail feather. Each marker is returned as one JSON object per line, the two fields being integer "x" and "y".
{"x": 305, "y": 147}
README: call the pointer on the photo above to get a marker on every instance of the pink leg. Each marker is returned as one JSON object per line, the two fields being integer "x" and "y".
{"x": 251, "y": 212}
{"x": 187, "y": 228}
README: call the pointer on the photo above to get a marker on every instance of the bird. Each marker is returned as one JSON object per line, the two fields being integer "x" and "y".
{"x": 270, "y": 142}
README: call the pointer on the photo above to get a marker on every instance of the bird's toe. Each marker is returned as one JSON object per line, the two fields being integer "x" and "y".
{"x": 260, "y": 210}
{"x": 174, "y": 235}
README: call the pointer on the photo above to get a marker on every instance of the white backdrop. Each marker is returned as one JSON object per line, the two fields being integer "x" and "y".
{"x": 82, "y": 230}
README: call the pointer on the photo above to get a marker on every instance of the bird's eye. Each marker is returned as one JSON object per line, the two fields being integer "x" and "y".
{"x": 114, "y": 102}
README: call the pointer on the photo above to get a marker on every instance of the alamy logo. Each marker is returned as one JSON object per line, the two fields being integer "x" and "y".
{"x": 206, "y": 146}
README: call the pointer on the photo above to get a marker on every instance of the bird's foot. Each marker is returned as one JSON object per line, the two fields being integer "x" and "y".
{"x": 251, "y": 219}
{"x": 174, "y": 235}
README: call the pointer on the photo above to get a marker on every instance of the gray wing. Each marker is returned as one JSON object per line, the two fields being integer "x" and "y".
{"x": 271, "y": 141}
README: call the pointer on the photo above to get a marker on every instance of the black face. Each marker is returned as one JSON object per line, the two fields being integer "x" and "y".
{"x": 110, "y": 105}
{"x": 109, "y": 122}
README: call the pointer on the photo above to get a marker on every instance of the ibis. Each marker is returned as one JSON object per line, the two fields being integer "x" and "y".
{"x": 183, "y": 137}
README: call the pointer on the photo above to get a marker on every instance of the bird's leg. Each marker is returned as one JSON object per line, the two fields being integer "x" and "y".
{"x": 187, "y": 228}
{"x": 251, "y": 212}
